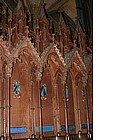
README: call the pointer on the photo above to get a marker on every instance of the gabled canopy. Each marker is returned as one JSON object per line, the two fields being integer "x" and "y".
{"x": 4, "y": 50}
{"x": 52, "y": 49}
{"x": 27, "y": 46}
{"x": 74, "y": 57}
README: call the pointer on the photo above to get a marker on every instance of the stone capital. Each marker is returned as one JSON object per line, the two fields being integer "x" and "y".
{"x": 8, "y": 69}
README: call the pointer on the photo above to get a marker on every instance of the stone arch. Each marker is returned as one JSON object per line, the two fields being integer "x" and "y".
{"x": 27, "y": 60}
{"x": 76, "y": 68}
{"x": 74, "y": 58}
{"x": 60, "y": 97}
{"x": 52, "y": 50}
{"x": 70, "y": 104}
{"x": 52, "y": 59}
{"x": 26, "y": 47}
{"x": 47, "y": 101}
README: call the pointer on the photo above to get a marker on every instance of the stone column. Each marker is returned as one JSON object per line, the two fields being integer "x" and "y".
{"x": 78, "y": 110}
{"x": 40, "y": 111}
{"x": 56, "y": 109}
{"x": 84, "y": 80}
{"x": 8, "y": 106}
{"x": 66, "y": 113}
{"x": 37, "y": 34}
{"x": 76, "y": 107}
{"x": 38, "y": 77}
{"x": 32, "y": 109}
{"x": 9, "y": 33}
{"x": 87, "y": 114}
{"x": 2, "y": 108}
{"x": 64, "y": 83}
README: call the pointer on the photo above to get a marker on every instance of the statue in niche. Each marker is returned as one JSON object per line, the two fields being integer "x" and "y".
{"x": 83, "y": 95}
{"x": 16, "y": 89}
{"x": 43, "y": 92}
{"x": 67, "y": 93}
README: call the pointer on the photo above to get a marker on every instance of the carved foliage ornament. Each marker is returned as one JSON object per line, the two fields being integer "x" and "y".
{"x": 38, "y": 73}
{"x": 54, "y": 65}
{"x": 8, "y": 69}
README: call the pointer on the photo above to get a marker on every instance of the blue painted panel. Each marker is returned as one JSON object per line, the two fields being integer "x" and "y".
{"x": 91, "y": 125}
{"x": 70, "y": 127}
{"x": 45, "y": 128}
{"x": 16, "y": 130}
{"x": 63, "y": 128}
{"x": 84, "y": 126}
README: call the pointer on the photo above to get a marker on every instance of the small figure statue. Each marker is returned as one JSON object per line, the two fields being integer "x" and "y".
{"x": 16, "y": 89}
{"x": 67, "y": 94}
{"x": 83, "y": 95}
{"x": 44, "y": 92}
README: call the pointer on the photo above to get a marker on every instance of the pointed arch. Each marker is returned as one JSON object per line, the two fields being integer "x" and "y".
{"x": 52, "y": 49}
{"x": 52, "y": 57}
{"x": 26, "y": 47}
{"x": 73, "y": 58}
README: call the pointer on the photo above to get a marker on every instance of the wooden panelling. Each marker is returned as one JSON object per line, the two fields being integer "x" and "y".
{"x": 32, "y": 57}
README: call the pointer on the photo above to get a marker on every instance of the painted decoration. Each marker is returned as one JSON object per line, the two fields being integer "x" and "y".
{"x": 84, "y": 126}
{"x": 67, "y": 93}
{"x": 44, "y": 92}
{"x": 16, "y": 88}
{"x": 45, "y": 128}
{"x": 70, "y": 127}
{"x": 17, "y": 130}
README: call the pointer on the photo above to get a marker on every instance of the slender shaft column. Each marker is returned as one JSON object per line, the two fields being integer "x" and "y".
{"x": 38, "y": 78}
{"x": 2, "y": 108}
{"x": 66, "y": 115}
{"x": 87, "y": 114}
{"x": 56, "y": 114}
{"x": 33, "y": 110}
{"x": 76, "y": 107}
{"x": 56, "y": 107}
{"x": 37, "y": 34}
{"x": 4, "y": 122}
{"x": 9, "y": 33}
{"x": 66, "y": 120}
{"x": 8, "y": 109}
{"x": 78, "y": 110}
{"x": 40, "y": 111}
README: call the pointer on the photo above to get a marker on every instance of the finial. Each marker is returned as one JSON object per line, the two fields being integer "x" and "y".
{"x": 53, "y": 38}
{"x": 42, "y": 2}
{"x": 74, "y": 43}
{"x": 37, "y": 24}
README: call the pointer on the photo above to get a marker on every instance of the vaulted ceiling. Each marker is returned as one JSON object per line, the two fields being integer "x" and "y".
{"x": 68, "y": 6}
{"x": 72, "y": 11}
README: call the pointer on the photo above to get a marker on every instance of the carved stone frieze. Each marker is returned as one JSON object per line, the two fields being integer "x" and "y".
{"x": 54, "y": 64}
{"x": 38, "y": 73}
{"x": 8, "y": 69}
{"x": 4, "y": 50}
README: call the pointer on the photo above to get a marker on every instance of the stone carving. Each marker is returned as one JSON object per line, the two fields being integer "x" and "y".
{"x": 8, "y": 69}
